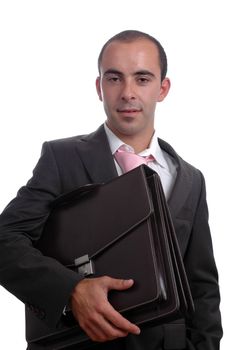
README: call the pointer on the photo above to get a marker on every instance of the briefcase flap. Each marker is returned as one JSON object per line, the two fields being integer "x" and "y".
{"x": 107, "y": 231}
{"x": 105, "y": 213}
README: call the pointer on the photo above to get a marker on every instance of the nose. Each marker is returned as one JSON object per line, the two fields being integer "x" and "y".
{"x": 128, "y": 92}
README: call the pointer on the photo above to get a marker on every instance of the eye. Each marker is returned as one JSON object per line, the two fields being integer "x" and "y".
{"x": 113, "y": 78}
{"x": 143, "y": 80}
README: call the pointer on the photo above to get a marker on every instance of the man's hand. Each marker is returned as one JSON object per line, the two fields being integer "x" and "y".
{"x": 96, "y": 316}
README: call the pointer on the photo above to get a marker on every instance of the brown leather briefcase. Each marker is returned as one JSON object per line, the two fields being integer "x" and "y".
{"x": 122, "y": 229}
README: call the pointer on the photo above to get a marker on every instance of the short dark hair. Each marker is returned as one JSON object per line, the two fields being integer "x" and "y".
{"x": 132, "y": 35}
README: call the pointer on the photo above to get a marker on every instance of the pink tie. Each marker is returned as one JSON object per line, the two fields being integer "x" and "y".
{"x": 129, "y": 160}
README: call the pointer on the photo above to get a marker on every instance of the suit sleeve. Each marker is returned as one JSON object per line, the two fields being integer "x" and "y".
{"x": 204, "y": 328}
{"x": 39, "y": 281}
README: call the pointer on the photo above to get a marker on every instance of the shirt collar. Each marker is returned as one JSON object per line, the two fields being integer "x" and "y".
{"x": 154, "y": 148}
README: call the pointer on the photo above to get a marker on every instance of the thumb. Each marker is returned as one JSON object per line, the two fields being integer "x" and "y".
{"x": 120, "y": 284}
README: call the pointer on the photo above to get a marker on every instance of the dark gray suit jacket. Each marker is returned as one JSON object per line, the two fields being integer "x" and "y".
{"x": 44, "y": 285}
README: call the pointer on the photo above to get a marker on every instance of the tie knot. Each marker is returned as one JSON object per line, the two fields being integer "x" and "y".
{"x": 128, "y": 160}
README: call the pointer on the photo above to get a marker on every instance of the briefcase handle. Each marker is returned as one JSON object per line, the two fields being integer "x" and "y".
{"x": 69, "y": 197}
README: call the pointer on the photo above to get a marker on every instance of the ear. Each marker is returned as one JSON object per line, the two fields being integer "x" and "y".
{"x": 98, "y": 88}
{"x": 164, "y": 89}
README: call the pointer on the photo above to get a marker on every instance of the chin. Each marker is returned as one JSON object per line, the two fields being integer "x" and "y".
{"x": 126, "y": 127}
{"x": 128, "y": 130}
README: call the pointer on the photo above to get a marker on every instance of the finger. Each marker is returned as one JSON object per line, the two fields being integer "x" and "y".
{"x": 99, "y": 329}
{"x": 107, "y": 331}
{"x": 116, "y": 319}
{"x": 118, "y": 284}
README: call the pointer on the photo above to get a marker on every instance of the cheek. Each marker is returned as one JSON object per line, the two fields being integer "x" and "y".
{"x": 149, "y": 95}
{"x": 150, "y": 103}
{"x": 109, "y": 98}
{"x": 108, "y": 104}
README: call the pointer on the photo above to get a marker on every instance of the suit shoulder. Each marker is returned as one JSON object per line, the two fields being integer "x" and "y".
{"x": 66, "y": 143}
{"x": 70, "y": 143}
{"x": 66, "y": 140}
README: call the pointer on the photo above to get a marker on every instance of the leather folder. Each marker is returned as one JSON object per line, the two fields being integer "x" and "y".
{"x": 121, "y": 229}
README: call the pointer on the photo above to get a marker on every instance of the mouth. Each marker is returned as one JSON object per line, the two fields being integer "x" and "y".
{"x": 129, "y": 111}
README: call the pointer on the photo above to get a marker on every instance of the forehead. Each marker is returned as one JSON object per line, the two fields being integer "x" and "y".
{"x": 130, "y": 56}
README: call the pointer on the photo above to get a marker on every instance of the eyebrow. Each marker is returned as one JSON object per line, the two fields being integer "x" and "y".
{"x": 113, "y": 71}
{"x": 144, "y": 72}
{"x": 137, "y": 73}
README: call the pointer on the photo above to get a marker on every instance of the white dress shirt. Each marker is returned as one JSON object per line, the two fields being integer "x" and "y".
{"x": 163, "y": 164}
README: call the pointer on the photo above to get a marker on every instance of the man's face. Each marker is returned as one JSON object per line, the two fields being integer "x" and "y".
{"x": 130, "y": 86}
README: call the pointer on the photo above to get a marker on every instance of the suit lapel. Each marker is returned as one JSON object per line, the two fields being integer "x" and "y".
{"x": 98, "y": 162}
{"x": 183, "y": 183}
{"x": 96, "y": 156}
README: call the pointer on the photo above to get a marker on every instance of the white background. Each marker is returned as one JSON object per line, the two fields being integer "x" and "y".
{"x": 48, "y": 54}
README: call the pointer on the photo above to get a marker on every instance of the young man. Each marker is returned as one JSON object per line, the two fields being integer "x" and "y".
{"x": 132, "y": 79}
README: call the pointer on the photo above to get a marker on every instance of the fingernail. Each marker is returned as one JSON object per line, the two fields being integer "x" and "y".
{"x": 129, "y": 281}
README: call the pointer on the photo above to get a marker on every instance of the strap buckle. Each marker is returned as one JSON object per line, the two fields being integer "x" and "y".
{"x": 85, "y": 265}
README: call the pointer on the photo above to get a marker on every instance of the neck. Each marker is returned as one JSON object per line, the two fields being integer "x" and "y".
{"x": 139, "y": 141}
